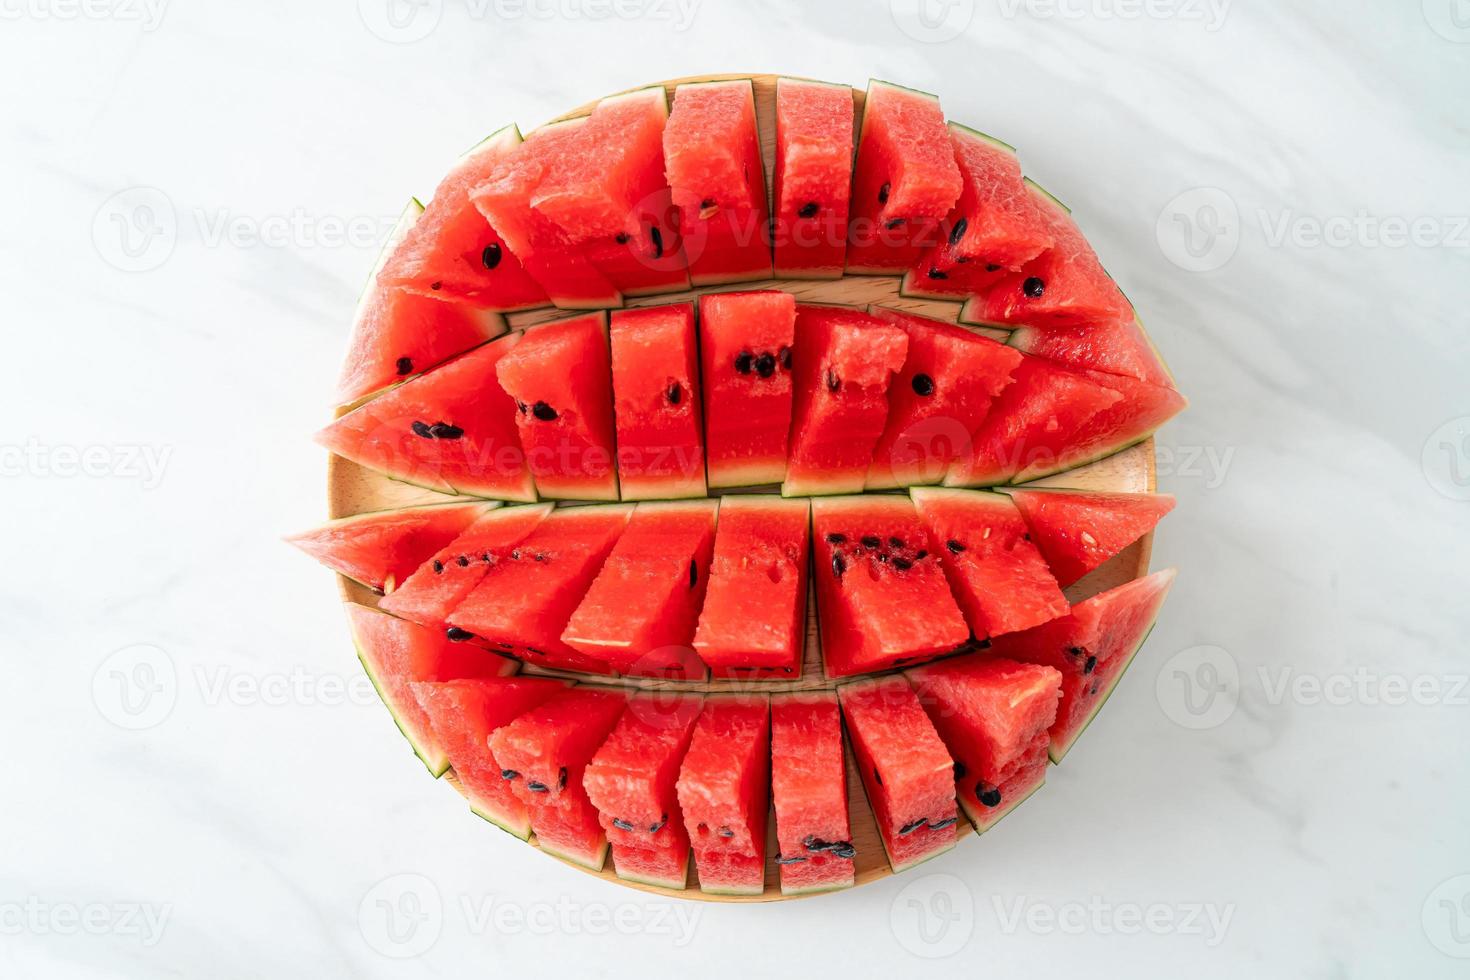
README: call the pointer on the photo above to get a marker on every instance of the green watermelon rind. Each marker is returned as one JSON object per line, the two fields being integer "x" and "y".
{"x": 437, "y": 766}
{"x": 498, "y": 822}
{"x": 1059, "y": 751}
{"x": 367, "y": 515}
{"x": 600, "y": 860}
{"x": 992, "y": 140}
{"x": 977, "y": 817}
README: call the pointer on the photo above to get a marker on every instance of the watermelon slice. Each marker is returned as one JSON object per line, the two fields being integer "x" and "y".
{"x": 631, "y": 782}
{"x": 753, "y": 623}
{"x": 395, "y": 653}
{"x": 724, "y": 793}
{"x": 904, "y": 183}
{"x": 639, "y": 615}
{"x": 949, "y": 379}
{"x": 814, "y": 122}
{"x": 521, "y": 606}
{"x": 1077, "y": 532}
{"x": 712, "y": 158}
{"x": 1002, "y": 582}
{"x": 380, "y": 550}
{"x": 906, "y": 770}
{"x": 655, "y": 375}
{"x": 463, "y": 715}
{"x": 560, "y": 377}
{"x": 845, "y": 361}
{"x": 745, "y": 350}
{"x": 993, "y": 715}
{"x": 451, "y": 430}
{"x": 453, "y": 253}
{"x": 874, "y": 569}
{"x": 809, "y": 791}
{"x": 1092, "y": 646}
{"x": 543, "y": 754}
{"x": 1117, "y": 347}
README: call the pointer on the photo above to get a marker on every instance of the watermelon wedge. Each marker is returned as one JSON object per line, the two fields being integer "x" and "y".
{"x": 380, "y": 550}
{"x": 656, "y": 399}
{"x": 724, "y": 793}
{"x": 746, "y": 343}
{"x": 1077, "y": 532}
{"x": 814, "y": 123}
{"x": 809, "y": 791}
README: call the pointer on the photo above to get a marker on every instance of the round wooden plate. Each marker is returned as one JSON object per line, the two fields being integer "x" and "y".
{"x": 354, "y": 490}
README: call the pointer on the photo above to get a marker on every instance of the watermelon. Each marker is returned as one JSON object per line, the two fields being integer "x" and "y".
{"x": 464, "y": 714}
{"x": 993, "y": 716}
{"x": 809, "y": 792}
{"x": 631, "y": 782}
{"x": 753, "y": 623}
{"x": 904, "y": 183}
{"x": 560, "y": 377}
{"x": 396, "y": 653}
{"x": 451, "y": 430}
{"x": 655, "y": 380}
{"x": 1077, "y": 532}
{"x": 1116, "y": 347}
{"x": 1092, "y": 646}
{"x": 724, "y": 793}
{"x": 451, "y": 252}
{"x": 844, "y": 361}
{"x": 639, "y": 615}
{"x": 813, "y": 178}
{"x": 949, "y": 379}
{"x": 397, "y": 333}
{"x": 746, "y": 343}
{"x": 712, "y": 158}
{"x": 906, "y": 770}
{"x": 1002, "y": 582}
{"x": 543, "y": 753}
{"x": 521, "y": 605}
{"x": 382, "y": 549}
{"x": 874, "y": 569}
{"x": 443, "y": 578}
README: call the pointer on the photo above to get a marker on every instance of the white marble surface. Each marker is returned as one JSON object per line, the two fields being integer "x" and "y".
{"x": 256, "y": 814}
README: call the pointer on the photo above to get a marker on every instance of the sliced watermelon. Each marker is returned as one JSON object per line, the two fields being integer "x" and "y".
{"x": 560, "y": 378}
{"x": 993, "y": 716}
{"x": 724, "y": 792}
{"x": 1092, "y": 647}
{"x": 906, "y": 770}
{"x": 451, "y": 430}
{"x": 809, "y": 791}
{"x": 1077, "y": 532}
{"x": 949, "y": 379}
{"x": 656, "y": 399}
{"x": 753, "y": 623}
{"x": 874, "y": 569}
{"x": 904, "y": 183}
{"x": 844, "y": 361}
{"x": 712, "y": 158}
{"x": 1002, "y": 582}
{"x": 745, "y": 350}
{"x": 1116, "y": 347}
{"x": 814, "y": 122}
{"x": 381, "y": 550}
{"x": 640, "y": 612}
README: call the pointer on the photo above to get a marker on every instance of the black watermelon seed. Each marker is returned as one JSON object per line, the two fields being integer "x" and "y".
{"x": 536, "y": 787}
{"x": 814, "y": 843}
{"x": 522, "y": 407}
{"x": 544, "y": 412}
{"x": 743, "y": 361}
{"x": 784, "y": 356}
{"x": 405, "y": 366}
{"x": 436, "y": 286}
{"x": 464, "y": 561}
{"x": 622, "y": 238}
{"x": 438, "y": 566}
{"x": 491, "y": 256}
{"x": 877, "y": 776}
{"x": 836, "y": 538}
{"x": 515, "y": 554}
{"x": 1092, "y": 690}
{"x": 912, "y": 826}
{"x": 990, "y": 797}
{"x": 843, "y": 849}
{"x": 895, "y": 542}
{"x": 1076, "y": 651}
{"x": 1033, "y": 287}
{"x": 871, "y": 541}
{"x": 765, "y": 365}
{"x": 839, "y": 564}
{"x": 991, "y": 267}
{"x": 833, "y": 381}
{"x": 561, "y": 778}
{"x": 950, "y": 822}
{"x": 443, "y": 430}
{"x": 457, "y": 635}
{"x": 921, "y": 555}
{"x": 883, "y": 194}
{"x": 422, "y": 429}
{"x": 539, "y": 556}
{"x": 1026, "y": 536}
{"x": 902, "y": 564}
{"x": 808, "y": 210}
{"x": 1090, "y": 665}
{"x": 509, "y": 774}
{"x": 954, "y": 546}
{"x": 706, "y": 204}
{"x": 960, "y": 769}
{"x": 655, "y": 828}
{"x": 923, "y": 385}
{"x": 725, "y": 832}
{"x": 895, "y": 223}
{"x": 789, "y": 860}
{"x": 693, "y": 574}
{"x": 675, "y": 393}
{"x": 658, "y": 242}
{"x": 934, "y": 273}
{"x": 622, "y": 824}
{"x": 958, "y": 231}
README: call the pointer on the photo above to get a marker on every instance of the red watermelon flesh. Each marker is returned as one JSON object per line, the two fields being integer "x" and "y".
{"x": 1092, "y": 646}
{"x": 753, "y": 622}
{"x": 381, "y": 550}
{"x": 395, "y": 653}
{"x": 453, "y": 253}
{"x": 712, "y": 160}
{"x": 1117, "y": 347}
{"x": 874, "y": 568}
{"x": 451, "y": 430}
{"x": 1077, "y": 532}
{"x": 724, "y": 793}
{"x": 809, "y": 791}
{"x": 560, "y": 378}
{"x": 1000, "y": 578}
{"x": 993, "y": 715}
{"x": 464, "y": 714}
{"x": 813, "y": 178}
{"x": 906, "y": 770}
{"x": 522, "y": 605}
{"x": 949, "y": 379}
{"x": 443, "y": 578}
{"x": 904, "y": 183}
{"x": 656, "y": 399}
{"x": 1135, "y": 416}
{"x": 844, "y": 363}
{"x": 640, "y": 612}
{"x": 745, "y": 345}
{"x": 544, "y": 753}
